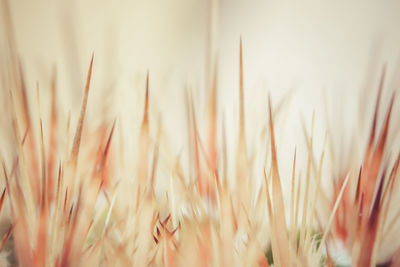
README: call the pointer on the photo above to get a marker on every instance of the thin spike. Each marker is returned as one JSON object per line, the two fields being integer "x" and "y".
{"x": 375, "y": 118}
{"x": 78, "y": 133}
{"x": 306, "y": 195}
{"x": 53, "y": 136}
{"x": 103, "y": 160}
{"x": 2, "y": 199}
{"x": 212, "y": 132}
{"x": 144, "y": 145}
{"x": 292, "y": 199}
{"x": 277, "y": 196}
{"x": 242, "y": 135}
{"x": 368, "y": 242}
{"x": 332, "y": 216}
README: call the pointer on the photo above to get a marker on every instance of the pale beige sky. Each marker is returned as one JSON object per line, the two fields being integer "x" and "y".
{"x": 317, "y": 47}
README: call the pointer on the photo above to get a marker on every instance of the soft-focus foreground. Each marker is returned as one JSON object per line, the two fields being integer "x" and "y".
{"x": 75, "y": 194}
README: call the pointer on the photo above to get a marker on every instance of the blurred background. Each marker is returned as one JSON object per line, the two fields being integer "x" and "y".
{"x": 324, "y": 57}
